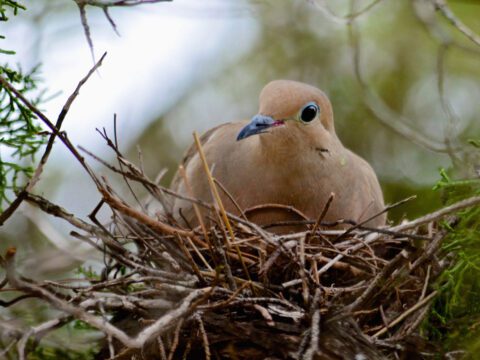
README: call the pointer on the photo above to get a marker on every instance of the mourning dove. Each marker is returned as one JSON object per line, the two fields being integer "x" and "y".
{"x": 287, "y": 154}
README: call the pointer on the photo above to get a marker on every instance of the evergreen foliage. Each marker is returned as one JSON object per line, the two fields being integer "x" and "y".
{"x": 7, "y": 6}
{"x": 20, "y": 133}
{"x": 455, "y": 316}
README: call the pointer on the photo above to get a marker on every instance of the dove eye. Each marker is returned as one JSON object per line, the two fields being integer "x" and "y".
{"x": 309, "y": 112}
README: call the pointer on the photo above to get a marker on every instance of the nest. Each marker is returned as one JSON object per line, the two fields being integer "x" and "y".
{"x": 315, "y": 294}
{"x": 235, "y": 290}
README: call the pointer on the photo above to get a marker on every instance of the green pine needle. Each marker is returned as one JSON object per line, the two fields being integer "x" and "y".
{"x": 20, "y": 132}
{"x": 454, "y": 320}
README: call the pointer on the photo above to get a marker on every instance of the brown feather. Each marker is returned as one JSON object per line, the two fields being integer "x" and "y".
{"x": 295, "y": 164}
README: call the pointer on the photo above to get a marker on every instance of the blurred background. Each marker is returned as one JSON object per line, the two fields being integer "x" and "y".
{"x": 404, "y": 84}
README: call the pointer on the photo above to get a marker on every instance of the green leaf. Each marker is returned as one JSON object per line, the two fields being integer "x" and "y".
{"x": 474, "y": 142}
{"x": 455, "y": 313}
{"x": 7, "y": 52}
{"x": 20, "y": 132}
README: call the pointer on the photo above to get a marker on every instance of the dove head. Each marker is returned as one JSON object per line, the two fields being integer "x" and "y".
{"x": 293, "y": 105}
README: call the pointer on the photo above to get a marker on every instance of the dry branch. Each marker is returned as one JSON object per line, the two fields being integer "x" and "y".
{"x": 190, "y": 289}
{"x": 55, "y": 131}
{"x": 235, "y": 290}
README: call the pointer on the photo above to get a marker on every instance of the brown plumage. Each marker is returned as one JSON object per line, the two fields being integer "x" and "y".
{"x": 288, "y": 154}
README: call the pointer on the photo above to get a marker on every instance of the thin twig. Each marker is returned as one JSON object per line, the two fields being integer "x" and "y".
{"x": 323, "y": 213}
{"x": 55, "y": 131}
{"x": 405, "y": 314}
{"x": 445, "y": 10}
{"x": 150, "y": 332}
{"x": 219, "y": 203}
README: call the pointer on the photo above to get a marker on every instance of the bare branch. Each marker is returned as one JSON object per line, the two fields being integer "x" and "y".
{"x": 105, "y": 5}
{"x": 445, "y": 10}
{"x": 55, "y": 131}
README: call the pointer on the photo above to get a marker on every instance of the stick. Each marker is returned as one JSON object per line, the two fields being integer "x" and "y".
{"x": 219, "y": 203}
{"x": 405, "y": 314}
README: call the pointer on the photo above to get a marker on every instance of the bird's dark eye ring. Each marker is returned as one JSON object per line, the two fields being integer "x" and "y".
{"x": 309, "y": 112}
